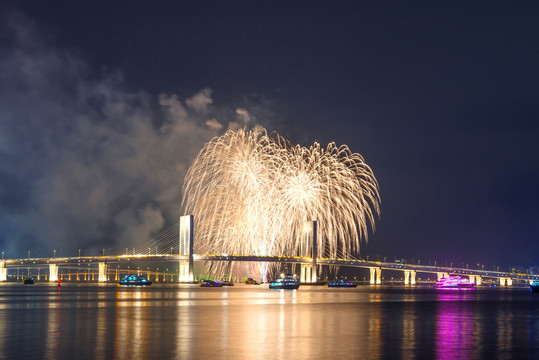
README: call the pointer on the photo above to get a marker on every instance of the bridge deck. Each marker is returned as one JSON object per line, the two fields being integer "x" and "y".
{"x": 278, "y": 259}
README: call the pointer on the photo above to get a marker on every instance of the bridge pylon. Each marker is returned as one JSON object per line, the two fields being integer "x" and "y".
{"x": 186, "y": 248}
{"x": 308, "y": 248}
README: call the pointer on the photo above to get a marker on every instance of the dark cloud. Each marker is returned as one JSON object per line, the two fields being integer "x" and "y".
{"x": 83, "y": 162}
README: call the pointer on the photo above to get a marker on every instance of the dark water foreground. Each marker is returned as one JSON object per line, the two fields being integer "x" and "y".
{"x": 252, "y": 322}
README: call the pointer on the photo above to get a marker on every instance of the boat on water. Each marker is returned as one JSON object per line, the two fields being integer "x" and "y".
{"x": 534, "y": 286}
{"x": 251, "y": 281}
{"x": 28, "y": 280}
{"x": 285, "y": 282}
{"x": 134, "y": 280}
{"x": 455, "y": 283}
{"x": 341, "y": 284}
{"x": 227, "y": 283}
{"x": 211, "y": 283}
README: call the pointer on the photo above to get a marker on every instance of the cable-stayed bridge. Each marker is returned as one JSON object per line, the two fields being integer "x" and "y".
{"x": 175, "y": 246}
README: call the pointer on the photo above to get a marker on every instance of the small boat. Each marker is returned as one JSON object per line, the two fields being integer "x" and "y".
{"x": 28, "y": 280}
{"x": 534, "y": 286}
{"x": 134, "y": 280}
{"x": 285, "y": 282}
{"x": 210, "y": 283}
{"x": 455, "y": 283}
{"x": 342, "y": 284}
{"x": 251, "y": 281}
{"x": 227, "y": 283}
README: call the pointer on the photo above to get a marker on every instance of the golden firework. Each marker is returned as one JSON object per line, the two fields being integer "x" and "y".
{"x": 251, "y": 193}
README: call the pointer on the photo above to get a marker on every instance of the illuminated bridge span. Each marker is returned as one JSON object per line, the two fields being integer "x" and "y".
{"x": 309, "y": 264}
{"x": 376, "y": 267}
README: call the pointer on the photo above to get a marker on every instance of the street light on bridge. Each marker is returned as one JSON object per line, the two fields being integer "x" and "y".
{"x": 54, "y": 253}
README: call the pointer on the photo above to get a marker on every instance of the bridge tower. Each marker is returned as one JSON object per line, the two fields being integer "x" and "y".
{"x": 308, "y": 248}
{"x": 3, "y": 271}
{"x": 186, "y": 248}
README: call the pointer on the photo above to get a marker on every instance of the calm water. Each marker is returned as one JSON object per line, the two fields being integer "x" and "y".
{"x": 252, "y": 322}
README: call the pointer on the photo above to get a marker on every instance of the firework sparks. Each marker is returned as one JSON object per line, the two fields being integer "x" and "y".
{"x": 251, "y": 193}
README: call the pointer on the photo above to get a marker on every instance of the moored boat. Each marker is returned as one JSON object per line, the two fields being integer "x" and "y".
{"x": 455, "y": 283}
{"x": 341, "y": 284}
{"x": 134, "y": 280}
{"x": 28, "y": 280}
{"x": 251, "y": 281}
{"x": 534, "y": 286}
{"x": 285, "y": 282}
{"x": 210, "y": 283}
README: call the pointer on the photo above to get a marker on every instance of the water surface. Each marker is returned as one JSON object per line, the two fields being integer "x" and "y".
{"x": 251, "y": 322}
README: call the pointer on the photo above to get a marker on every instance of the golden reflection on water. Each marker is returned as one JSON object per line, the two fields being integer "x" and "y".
{"x": 375, "y": 328}
{"x": 53, "y": 331}
{"x": 408, "y": 332}
{"x": 505, "y": 330}
{"x": 3, "y": 335}
{"x": 130, "y": 324}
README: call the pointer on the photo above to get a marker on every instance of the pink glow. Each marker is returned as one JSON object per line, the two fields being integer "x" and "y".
{"x": 454, "y": 283}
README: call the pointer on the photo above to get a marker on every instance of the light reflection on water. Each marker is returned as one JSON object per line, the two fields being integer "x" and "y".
{"x": 246, "y": 322}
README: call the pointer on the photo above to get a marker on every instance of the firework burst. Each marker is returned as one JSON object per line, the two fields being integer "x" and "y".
{"x": 251, "y": 193}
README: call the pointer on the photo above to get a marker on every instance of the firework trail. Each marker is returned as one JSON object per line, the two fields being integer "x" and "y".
{"x": 251, "y": 193}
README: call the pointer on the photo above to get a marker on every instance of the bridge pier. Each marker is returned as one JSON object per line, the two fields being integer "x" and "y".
{"x": 102, "y": 272}
{"x": 476, "y": 279}
{"x": 441, "y": 275}
{"x": 186, "y": 249}
{"x": 376, "y": 275}
{"x": 412, "y": 277}
{"x": 53, "y": 272}
{"x": 506, "y": 281}
{"x": 409, "y": 277}
{"x": 3, "y": 271}
{"x": 309, "y": 249}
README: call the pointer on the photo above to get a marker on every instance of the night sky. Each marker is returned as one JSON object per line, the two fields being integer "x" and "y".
{"x": 103, "y": 106}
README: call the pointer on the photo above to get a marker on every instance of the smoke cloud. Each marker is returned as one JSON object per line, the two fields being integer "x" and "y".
{"x": 83, "y": 162}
